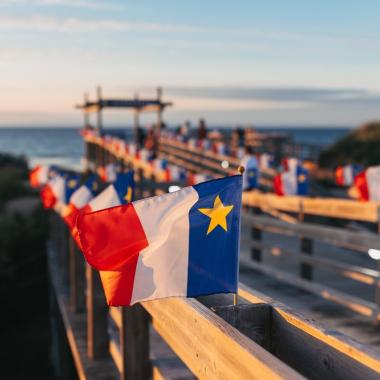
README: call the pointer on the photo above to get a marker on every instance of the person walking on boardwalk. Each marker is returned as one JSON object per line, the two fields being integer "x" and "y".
{"x": 202, "y": 129}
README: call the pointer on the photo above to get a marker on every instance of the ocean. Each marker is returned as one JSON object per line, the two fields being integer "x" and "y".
{"x": 64, "y": 146}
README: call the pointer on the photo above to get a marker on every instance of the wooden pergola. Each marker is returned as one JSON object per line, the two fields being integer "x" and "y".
{"x": 135, "y": 104}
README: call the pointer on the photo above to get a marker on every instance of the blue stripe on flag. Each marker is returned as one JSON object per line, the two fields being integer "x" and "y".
{"x": 213, "y": 252}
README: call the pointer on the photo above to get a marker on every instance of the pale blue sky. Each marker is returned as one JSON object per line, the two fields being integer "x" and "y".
{"x": 243, "y": 61}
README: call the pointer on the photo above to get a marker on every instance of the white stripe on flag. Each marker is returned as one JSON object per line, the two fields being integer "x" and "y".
{"x": 163, "y": 266}
{"x": 106, "y": 199}
{"x": 373, "y": 182}
{"x": 81, "y": 197}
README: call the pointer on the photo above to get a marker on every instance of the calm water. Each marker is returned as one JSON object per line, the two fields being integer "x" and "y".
{"x": 65, "y": 146}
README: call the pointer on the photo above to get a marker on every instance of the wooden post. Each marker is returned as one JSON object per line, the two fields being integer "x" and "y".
{"x": 306, "y": 248}
{"x": 159, "y": 112}
{"x": 76, "y": 278}
{"x": 86, "y": 115}
{"x": 256, "y": 235}
{"x": 100, "y": 121}
{"x": 136, "y": 121}
{"x": 97, "y": 311}
{"x": 134, "y": 343}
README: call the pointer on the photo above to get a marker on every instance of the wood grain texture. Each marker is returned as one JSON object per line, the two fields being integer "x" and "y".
{"x": 329, "y": 339}
{"x": 329, "y": 207}
{"x": 209, "y": 346}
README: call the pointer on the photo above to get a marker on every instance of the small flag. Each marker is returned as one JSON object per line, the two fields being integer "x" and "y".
{"x": 79, "y": 199}
{"x": 367, "y": 183}
{"x": 184, "y": 243}
{"x": 38, "y": 176}
{"x": 345, "y": 175}
{"x": 292, "y": 182}
{"x": 250, "y": 176}
{"x": 58, "y": 190}
{"x": 117, "y": 193}
{"x": 266, "y": 161}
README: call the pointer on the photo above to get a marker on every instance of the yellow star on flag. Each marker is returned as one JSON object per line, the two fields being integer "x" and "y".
{"x": 217, "y": 214}
{"x": 301, "y": 178}
{"x": 72, "y": 183}
{"x": 128, "y": 196}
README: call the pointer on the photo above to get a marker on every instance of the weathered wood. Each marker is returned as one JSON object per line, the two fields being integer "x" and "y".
{"x": 353, "y": 272}
{"x": 134, "y": 343}
{"x": 311, "y": 357}
{"x": 358, "y": 241}
{"x": 251, "y": 320}
{"x": 368, "y": 309}
{"x": 306, "y": 248}
{"x": 76, "y": 277}
{"x": 323, "y": 340}
{"x": 256, "y": 236}
{"x": 209, "y": 346}
{"x": 97, "y": 310}
{"x": 75, "y": 330}
{"x": 329, "y": 207}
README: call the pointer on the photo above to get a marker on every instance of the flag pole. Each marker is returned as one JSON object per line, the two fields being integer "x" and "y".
{"x": 240, "y": 170}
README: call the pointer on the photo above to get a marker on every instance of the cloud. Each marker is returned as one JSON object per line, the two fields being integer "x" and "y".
{"x": 278, "y": 94}
{"x": 44, "y": 23}
{"x": 89, "y": 4}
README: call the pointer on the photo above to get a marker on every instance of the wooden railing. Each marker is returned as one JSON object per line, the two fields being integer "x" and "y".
{"x": 291, "y": 210}
{"x": 208, "y": 337}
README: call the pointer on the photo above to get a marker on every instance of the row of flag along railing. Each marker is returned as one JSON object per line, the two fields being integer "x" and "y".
{"x": 364, "y": 180}
{"x": 183, "y": 243}
{"x": 292, "y": 178}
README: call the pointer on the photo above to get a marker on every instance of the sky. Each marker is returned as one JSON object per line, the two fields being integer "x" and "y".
{"x": 241, "y": 62}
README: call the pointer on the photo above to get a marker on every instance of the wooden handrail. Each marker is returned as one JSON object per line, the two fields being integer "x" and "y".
{"x": 360, "y": 241}
{"x": 328, "y": 207}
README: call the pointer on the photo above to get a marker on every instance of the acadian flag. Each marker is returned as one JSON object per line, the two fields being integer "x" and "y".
{"x": 108, "y": 173}
{"x": 345, "y": 175}
{"x": 79, "y": 199}
{"x": 251, "y": 173}
{"x": 292, "y": 182}
{"x": 184, "y": 243}
{"x": 39, "y": 176}
{"x": 368, "y": 184}
{"x": 58, "y": 190}
{"x": 117, "y": 193}
{"x": 265, "y": 161}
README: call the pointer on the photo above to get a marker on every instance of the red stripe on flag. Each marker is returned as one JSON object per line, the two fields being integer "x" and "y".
{"x": 362, "y": 186}
{"x": 339, "y": 176}
{"x": 277, "y": 185}
{"x": 48, "y": 197}
{"x": 112, "y": 237}
{"x": 118, "y": 285}
{"x": 34, "y": 177}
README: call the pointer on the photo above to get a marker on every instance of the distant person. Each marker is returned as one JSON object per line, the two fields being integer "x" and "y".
{"x": 185, "y": 128}
{"x": 240, "y": 133}
{"x": 150, "y": 140}
{"x": 202, "y": 130}
{"x": 140, "y": 136}
{"x": 251, "y": 166}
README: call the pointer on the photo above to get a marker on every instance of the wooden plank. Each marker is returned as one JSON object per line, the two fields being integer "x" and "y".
{"x": 356, "y": 240}
{"x": 368, "y": 309}
{"x": 134, "y": 343}
{"x": 75, "y": 329}
{"x": 209, "y": 346}
{"x": 252, "y": 320}
{"x": 328, "y": 338}
{"x": 97, "y": 310}
{"x": 76, "y": 277}
{"x": 354, "y": 272}
{"x": 328, "y": 207}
